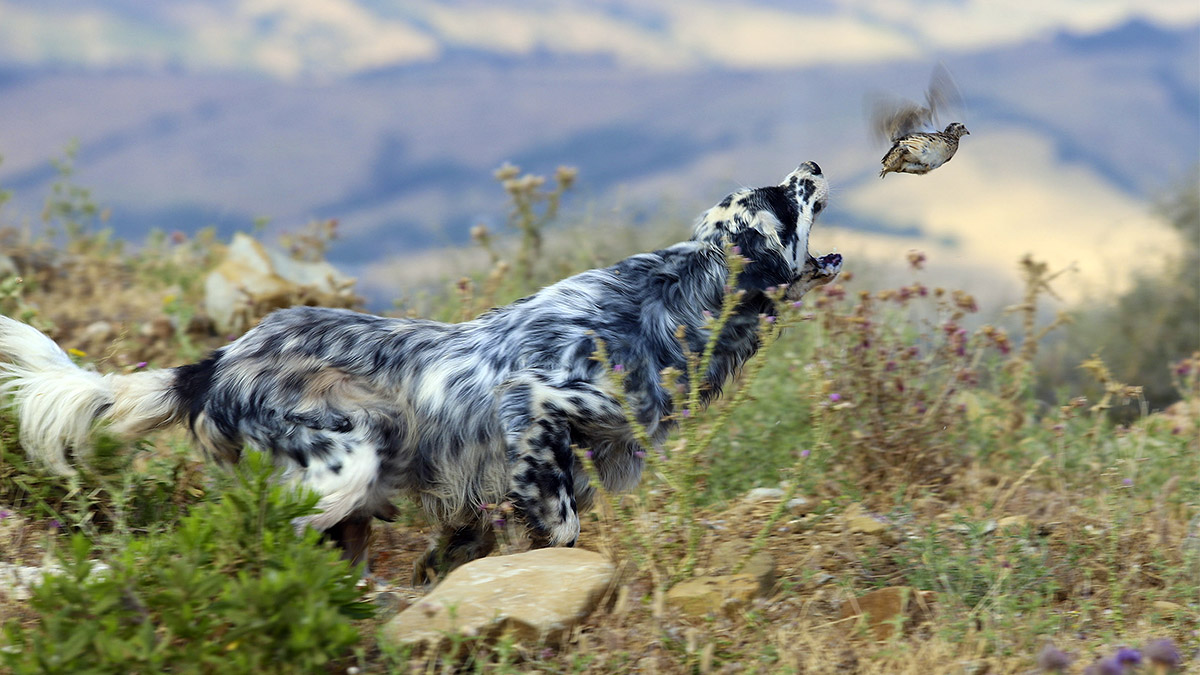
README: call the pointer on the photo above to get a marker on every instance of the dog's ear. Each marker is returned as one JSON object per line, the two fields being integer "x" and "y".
{"x": 770, "y": 225}
{"x": 763, "y": 248}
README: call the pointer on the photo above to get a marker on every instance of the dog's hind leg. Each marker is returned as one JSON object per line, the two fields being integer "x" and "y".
{"x": 455, "y": 544}
{"x": 352, "y": 535}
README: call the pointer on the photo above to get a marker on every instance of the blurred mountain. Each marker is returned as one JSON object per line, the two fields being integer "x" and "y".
{"x": 1073, "y": 125}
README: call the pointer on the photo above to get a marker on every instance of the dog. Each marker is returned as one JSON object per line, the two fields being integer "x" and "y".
{"x": 363, "y": 408}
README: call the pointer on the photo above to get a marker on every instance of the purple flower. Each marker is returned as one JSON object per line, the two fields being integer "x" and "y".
{"x": 1128, "y": 656}
{"x": 835, "y": 397}
{"x": 1162, "y": 652}
{"x": 685, "y": 412}
{"x": 797, "y": 304}
{"x": 618, "y": 368}
{"x": 1053, "y": 659}
{"x": 139, "y": 365}
{"x": 805, "y": 453}
{"x": 639, "y": 453}
{"x": 737, "y": 250}
{"x": 588, "y": 454}
{"x": 1128, "y": 482}
{"x": 54, "y": 525}
{"x": 498, "y": 522}
{"x": 4, "y": 514}
{"x": 770, "y": 319}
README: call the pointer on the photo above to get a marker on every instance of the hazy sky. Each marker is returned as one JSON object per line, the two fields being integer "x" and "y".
{"x": 289, "y": 38}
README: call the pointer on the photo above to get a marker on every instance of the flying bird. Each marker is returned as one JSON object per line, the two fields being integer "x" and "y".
{"x": 910, "y": 127}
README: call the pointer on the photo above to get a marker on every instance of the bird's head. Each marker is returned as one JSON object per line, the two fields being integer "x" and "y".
{"x": 957, "y": 130}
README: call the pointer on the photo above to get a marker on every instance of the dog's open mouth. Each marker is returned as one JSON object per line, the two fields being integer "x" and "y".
{"x": 816, "y": 272}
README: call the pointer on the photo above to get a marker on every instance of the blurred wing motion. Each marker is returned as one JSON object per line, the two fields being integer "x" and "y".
{"x": 893, "y": 118}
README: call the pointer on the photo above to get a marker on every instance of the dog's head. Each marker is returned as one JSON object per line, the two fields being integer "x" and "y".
{"x": 770, "y": 225}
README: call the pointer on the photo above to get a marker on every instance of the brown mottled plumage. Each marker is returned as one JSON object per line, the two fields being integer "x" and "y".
{"x": 916, "y": 147}
{"x": 921, "y": 152}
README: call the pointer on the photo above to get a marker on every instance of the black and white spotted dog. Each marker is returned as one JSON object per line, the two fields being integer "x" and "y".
{"x": 360, "y": 408}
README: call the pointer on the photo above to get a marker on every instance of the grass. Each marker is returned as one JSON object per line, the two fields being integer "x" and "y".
{"x": 1022, "y": 519}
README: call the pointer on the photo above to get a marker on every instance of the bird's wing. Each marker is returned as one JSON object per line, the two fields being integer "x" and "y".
{"x": 942, "y": 94}
{"x": 893, "y": 118}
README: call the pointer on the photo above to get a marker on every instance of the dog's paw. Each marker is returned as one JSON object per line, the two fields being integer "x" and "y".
{"x": 829, "y": 265}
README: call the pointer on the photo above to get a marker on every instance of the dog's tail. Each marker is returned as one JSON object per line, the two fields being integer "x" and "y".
{"x": 57, "y": 402}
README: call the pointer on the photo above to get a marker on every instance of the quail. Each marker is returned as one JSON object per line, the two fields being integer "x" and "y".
{"x": 908, "y": 126}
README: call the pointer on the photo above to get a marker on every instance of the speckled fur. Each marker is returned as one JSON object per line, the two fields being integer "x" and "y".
{"x": 361, "y": 408}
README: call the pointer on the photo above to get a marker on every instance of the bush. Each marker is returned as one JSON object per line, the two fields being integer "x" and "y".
{"x": 231, "y": 589}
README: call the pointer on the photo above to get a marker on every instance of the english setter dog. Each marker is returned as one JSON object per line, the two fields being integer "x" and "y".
{"x": 360, "y": 408}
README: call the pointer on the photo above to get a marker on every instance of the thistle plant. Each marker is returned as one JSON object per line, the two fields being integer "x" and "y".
{"x": 659, "y": 522}
{"x": 527, "y": 193}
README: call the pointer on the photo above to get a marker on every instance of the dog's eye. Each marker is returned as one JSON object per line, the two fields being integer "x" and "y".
{"x": 819, "y": 207}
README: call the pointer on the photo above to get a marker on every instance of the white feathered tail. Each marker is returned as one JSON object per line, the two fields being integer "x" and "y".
{"x": 57, "y": 403}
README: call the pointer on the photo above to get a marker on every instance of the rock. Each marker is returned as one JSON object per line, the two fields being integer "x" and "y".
{"x": 18, "y": 581}
{"x": 535, "y": 596}
{"x": 1018, "y": 522}
{"x": 253, "y": 280}
{"x": 865, "y": 524}
{"x": 880, "y": 609}
{"x": 701, "y": 596}
{"x": 799, "y": 506}
{"x": 762, "y": 495}
{"x": 98, "y": 333}
{"x": 761, "y": 565}
{"x": 8, "y": 268}
{"x": 1167, "y": 607}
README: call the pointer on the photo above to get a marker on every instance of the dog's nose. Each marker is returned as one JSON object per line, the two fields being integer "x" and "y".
{"x": 813, "y": 168}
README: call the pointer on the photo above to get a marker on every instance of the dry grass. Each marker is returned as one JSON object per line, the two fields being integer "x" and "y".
{"x": 941, "y": 462}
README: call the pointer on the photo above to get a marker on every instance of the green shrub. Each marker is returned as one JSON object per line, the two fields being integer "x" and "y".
{"x": 231, "y": 589}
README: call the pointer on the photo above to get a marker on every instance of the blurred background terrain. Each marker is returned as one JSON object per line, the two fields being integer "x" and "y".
{"x": 390, "y": 117}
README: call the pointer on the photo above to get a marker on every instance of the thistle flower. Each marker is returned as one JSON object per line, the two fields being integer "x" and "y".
{"x": 618, "y": 368}
{"x": 835, "y": 397}
{"x": 4, "y": 514}
{"x": 1052, "y": 659}
{"x": 805, "y": 453}
{"x": 1128, "y": 656}
{"x": 1162, "y": 654}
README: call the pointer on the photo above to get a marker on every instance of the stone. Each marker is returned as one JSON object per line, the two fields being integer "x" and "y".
{"x": 761, "y": 565}
{"x": 98, "y": 333}
{"x": 1167, "y": 607}
{"x": 534, "y": 596}
{"x": 700, "y": 596}
{"x": 799, "y": 506}
{"x": 762, "y": 495}
{"x": 253, "y": 280}
{"x": 880, "y": 609}
{"x": 1014, "y": 523}
{"x": 18, "y": 581}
